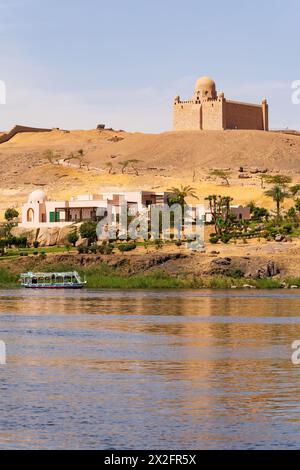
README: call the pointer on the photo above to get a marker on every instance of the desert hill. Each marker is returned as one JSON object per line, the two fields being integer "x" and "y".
{"x": 164, "y": 160}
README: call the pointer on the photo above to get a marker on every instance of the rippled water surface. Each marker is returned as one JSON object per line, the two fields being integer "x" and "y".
{"x": 149, "y": 369}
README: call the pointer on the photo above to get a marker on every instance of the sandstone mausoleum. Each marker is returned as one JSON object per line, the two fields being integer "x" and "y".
{"x": 208, "y": 110}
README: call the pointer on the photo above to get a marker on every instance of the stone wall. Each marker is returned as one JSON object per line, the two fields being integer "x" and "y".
{"x": 212, "y": 115}
{"x": 18, "y": 129}
{"x": 186, "y": 116}
{"x": 243, "y": 116}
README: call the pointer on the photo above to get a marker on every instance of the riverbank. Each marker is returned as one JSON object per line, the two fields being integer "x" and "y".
{"x": 105, "y": 277}
{"x": 262, "y": 266}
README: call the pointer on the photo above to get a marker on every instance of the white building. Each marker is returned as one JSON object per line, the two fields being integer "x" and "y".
{"x": 40, "y": 211}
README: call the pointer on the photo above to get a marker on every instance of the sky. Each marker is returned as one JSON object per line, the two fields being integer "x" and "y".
{"x": 74, "y": 64}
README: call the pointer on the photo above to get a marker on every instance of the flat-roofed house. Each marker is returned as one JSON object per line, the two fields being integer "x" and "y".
{"x": 39, "y": 211}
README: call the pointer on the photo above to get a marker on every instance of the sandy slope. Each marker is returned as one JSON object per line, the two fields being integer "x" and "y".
{"x": 167, "y": 159}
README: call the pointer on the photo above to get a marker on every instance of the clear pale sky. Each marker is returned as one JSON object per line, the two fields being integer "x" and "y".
{"x": 77, "y": 63}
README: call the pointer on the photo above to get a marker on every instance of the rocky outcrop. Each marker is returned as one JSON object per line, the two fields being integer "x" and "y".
{"x": 247, "y": 267}
{"x": 270, "y": 269}
{"x": 45, "y": 236}
{"x": 21, "y": 232}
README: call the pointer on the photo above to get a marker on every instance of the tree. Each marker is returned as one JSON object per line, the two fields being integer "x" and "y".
{"x": 279, "y": 180}
{"x": 11, "y": 214}
{"x": 294, "y": 190}
{"x": 224, "y": 175}
{"x": 69, "y": 158}
{"x": 297, "y": 205}
{"x": 109, "y": 165}
{"x": 133, "y": 162}
{"x": 73, "y": 238}
{"x": 49, "y": 155}
{"x": 263, "y": 179}
{"x": 292, "y": 214}
{"x": 88, "y": 230}
{"x": 220, "y": 211}
{"x": 124, "y": 165}
{"x": 278, "y": 194}
{"x": 181, "y": 194}
{"x": 260, "y": 213}
{"x": 194, "y": 175}
{"x": 179, "y": 197}
{"x": 81, "y": 157}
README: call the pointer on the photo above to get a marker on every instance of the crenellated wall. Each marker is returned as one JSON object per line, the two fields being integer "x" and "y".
{"x": 186, "y": 116}
{"x": 208, "y": 110}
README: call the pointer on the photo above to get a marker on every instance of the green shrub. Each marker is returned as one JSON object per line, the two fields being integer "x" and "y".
{"x": 20, "y": 242}
{"x": 106, "y": 249}
{"x": 7, "y": 278}
{"x": 127, "y": 247}
{"x": 236, "y": 274}
{"x": 36, "y": 244}
{"x": 11, "y": 241}
{"x": 82, "y": 249}
{"x": 158, "y": 243}
{"x": 73, "y": 238}
{"x": 225, "y": 238}
{"x": 89, "y": 230}
{"x": 287, "y": 228}
{"x": 214, "y": 239}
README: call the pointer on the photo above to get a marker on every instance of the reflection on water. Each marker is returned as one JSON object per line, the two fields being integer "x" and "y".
{"x": 140, "y": 369}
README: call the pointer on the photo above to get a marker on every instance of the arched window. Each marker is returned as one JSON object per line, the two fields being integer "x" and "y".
{"x": 30, "y": 215}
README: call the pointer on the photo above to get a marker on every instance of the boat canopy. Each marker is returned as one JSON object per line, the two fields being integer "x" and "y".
{"x": 46, "y": 275}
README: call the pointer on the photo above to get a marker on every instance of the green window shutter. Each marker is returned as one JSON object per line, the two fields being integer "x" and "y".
{"x": 52, "y": 216}
{"x": 57, "y": 216}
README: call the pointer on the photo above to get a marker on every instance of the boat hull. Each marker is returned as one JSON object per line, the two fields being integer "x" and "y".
{"x": 52, "y": 280}
{"x": 79, "y": 286}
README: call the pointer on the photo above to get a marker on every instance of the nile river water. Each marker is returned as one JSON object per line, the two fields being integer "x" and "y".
{"x": 149, "y": 369}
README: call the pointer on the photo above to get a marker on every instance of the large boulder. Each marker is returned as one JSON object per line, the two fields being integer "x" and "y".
{"x": 62, "y": 238}
{"x": 24, "y": 232}
{"x": 270, "y": 269}
{"x": 261, "y": 271}
{"x": 279, "y": 238}
{"x": 48, "y": 236}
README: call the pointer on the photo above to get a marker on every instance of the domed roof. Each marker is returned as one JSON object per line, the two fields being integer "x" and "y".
{"x": 37, "y": 196}
{"x": 205, "y": 83}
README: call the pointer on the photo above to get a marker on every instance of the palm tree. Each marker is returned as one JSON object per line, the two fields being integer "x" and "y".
{"x": 182, "y": 193}
{"x": 278, "y": 194}
{"x": 220, "y": 211}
